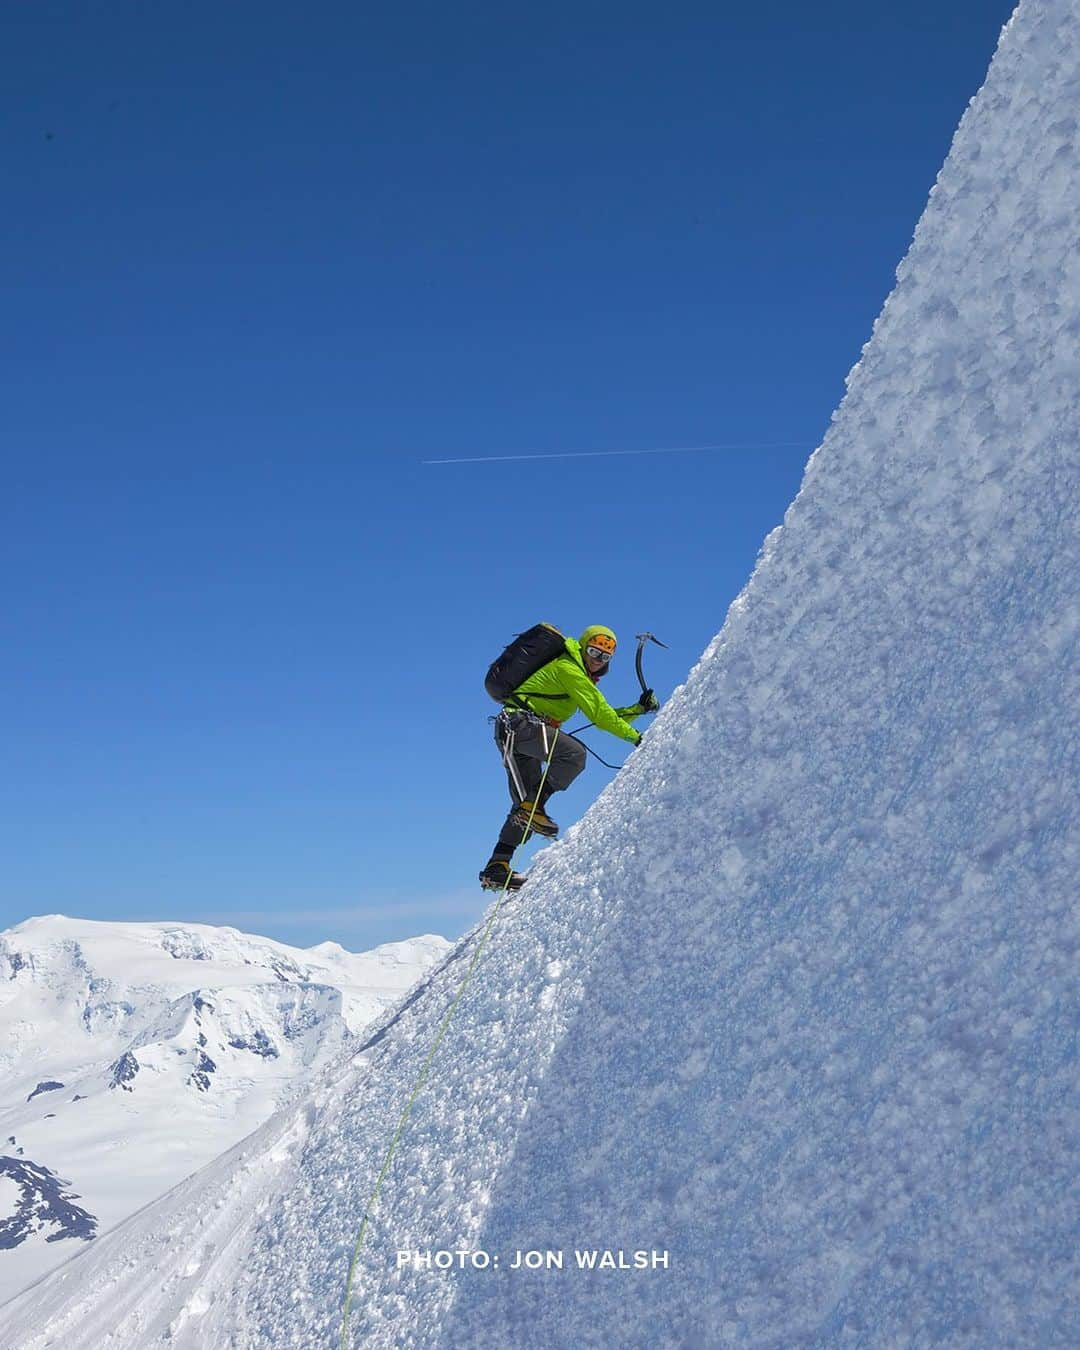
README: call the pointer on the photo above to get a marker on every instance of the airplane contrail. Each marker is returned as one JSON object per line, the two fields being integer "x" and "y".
{"x": 593, "y": 454}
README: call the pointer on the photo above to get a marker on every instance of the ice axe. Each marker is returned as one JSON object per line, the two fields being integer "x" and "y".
{"x": 642, "y": 638}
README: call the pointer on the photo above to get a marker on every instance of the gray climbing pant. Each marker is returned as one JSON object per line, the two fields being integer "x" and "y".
{"x": 525, "y": 743}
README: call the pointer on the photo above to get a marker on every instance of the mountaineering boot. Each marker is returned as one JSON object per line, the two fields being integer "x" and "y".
{"x": 494, "y": 877}
{"x": 541, "y": 822}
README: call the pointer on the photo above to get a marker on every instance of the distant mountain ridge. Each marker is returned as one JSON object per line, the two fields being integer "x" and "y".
{"x": 133, "y": 1053}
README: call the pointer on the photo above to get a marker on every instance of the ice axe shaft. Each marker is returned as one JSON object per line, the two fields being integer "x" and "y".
{"x": 642, "y": 638}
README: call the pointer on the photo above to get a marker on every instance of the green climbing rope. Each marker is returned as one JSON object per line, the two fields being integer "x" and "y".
{"x": 447, "y": 1017}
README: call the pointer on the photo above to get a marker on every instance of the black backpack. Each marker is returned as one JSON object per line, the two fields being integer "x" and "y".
{"x": 523, "y": 657}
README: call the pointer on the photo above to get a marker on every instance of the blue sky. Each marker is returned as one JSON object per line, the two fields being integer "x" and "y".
{"x": 261, "y": 263}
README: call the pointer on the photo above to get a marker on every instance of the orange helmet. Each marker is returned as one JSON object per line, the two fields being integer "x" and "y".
{"x": 596, "y": 635}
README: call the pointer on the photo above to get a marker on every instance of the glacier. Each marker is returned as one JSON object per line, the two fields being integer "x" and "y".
{"x": 796, "y": 1002}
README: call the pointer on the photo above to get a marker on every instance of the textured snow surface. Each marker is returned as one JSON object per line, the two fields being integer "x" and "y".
{"x": 131, "y": 1054}
{"x": 796, "y": 1001}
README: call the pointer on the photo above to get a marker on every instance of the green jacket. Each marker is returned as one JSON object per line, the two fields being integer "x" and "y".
{"x": 567, "y": 675}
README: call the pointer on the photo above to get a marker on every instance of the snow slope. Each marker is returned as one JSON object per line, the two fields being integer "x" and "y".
{"x": 795, "y": 1003}
{"x": 133, "y": 1053}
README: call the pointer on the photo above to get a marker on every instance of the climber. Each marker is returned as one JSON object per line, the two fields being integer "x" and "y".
{"x": 527, "y": 731}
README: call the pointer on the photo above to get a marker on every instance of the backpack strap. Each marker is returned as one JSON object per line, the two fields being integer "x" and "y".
{"x": 520, "y": 704}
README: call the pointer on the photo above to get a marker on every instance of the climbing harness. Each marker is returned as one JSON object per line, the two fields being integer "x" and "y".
{"x": 507, "y": 724}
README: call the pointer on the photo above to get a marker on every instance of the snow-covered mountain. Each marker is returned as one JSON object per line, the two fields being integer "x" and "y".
{"x": 131, "y": 1054}
{"x": 794, "y": 1006}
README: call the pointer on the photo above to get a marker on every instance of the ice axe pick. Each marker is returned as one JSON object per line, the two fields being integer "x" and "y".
{"x": 642, "y": 638}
